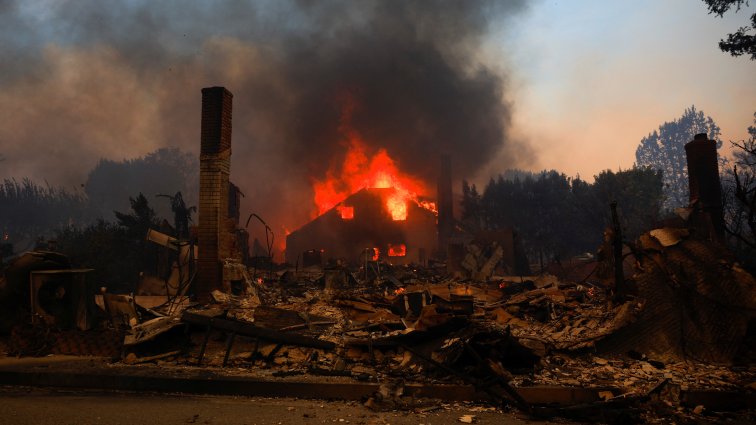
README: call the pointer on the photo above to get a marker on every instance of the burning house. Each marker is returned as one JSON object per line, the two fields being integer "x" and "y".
{"x": 387, "y": 220}
{"x": 372, "y": 224}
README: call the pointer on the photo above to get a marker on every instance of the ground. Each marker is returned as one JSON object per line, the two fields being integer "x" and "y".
{"x": 22, "y": 406}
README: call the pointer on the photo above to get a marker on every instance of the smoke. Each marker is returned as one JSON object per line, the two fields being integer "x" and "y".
{"x": 111, "y": 79}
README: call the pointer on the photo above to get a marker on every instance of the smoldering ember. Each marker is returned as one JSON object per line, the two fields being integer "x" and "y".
{"x": 629, "y": 299}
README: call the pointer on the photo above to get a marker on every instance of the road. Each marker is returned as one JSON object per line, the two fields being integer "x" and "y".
{"x": 22, "y": 406}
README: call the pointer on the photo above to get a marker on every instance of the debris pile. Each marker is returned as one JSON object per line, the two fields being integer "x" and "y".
{"x": 676, "y": 332}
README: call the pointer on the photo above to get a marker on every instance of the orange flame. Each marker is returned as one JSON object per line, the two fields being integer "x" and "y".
{"x": 398, "y": 250}
{"x": 361, "y": 170}
{"x": 347, "y": 213}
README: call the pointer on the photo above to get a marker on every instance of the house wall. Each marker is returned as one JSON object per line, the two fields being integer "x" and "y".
{"x": 371, "y": 227}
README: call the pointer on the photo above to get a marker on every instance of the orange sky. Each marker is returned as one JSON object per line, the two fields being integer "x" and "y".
{"x": 590, "y": 79}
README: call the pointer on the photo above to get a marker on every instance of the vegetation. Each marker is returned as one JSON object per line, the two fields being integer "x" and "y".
{"x": 664, "y": 150}
{"x": 560, "y": 216}
{"x": 87, "y": 225}
{"x": 164, "y": 171}
{"x": 29, "y": 210}
{"x": 739, "y": 191}
{"x": 740, "y": 42}
{"x": 117, "y": 251}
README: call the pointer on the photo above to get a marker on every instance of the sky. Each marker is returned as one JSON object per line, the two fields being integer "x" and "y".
{"x": 589, "y": 79}
{"x": 571, "y": 86}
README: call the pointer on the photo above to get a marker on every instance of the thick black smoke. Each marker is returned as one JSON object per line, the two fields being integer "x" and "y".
{"x": 119, "y": 79}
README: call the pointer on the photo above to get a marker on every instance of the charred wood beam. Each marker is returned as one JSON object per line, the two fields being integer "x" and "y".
{"x": 619, "y": 276}
{"x": 480, "y": 385}
{"x": 497, "y": 379}
{"x": 250, "y": 330}
{"x": 229, "y": 344}
{"x": 307, "y": 325}
{"x": 413, "y": 338}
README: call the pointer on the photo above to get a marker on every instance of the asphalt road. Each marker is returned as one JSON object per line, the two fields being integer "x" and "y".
{"x": 22, "y": 406}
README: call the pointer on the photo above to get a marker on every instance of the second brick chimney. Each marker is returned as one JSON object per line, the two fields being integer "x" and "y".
{"x": 705, "y": 189}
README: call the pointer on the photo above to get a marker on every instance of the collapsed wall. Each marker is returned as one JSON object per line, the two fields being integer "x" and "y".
{"x": 697, "y": 302}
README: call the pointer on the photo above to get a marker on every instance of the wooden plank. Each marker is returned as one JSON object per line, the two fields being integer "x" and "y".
{"x": 250, "y": 330}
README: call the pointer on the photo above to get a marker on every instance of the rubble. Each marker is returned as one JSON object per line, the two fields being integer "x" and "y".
{"x": 504, "y": 335}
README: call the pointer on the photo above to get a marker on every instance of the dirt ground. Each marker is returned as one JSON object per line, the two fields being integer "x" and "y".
{"x": 32, "y": 406}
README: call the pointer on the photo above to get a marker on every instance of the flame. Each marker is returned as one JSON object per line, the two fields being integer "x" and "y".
{"x": 347, "y": 213}
{"x": 398, "y": 250}
{"x": 397, "y": 206}
{"x": 361, "y": 170}
{"x": 430, "y": 206}
{"x": 281, "y": 242}
{"x": 400, "y": 291}
{"x": 376, "y": 254}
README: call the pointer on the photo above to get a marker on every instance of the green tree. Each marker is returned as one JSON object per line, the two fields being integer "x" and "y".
{"x": 664, "y": 150}
{"x": 740, "y": 42}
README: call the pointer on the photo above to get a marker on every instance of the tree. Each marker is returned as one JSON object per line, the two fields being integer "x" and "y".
{"x": 664, "y": 150}
{"x": 107, "y": 249}
{"x": 559, "y": 216}
{"x": 182, "y": 214}
{"x": 739, "y": 192}
{"x": 141, "y": 218}
{"x": 117, "y": 251}
{"x": 166, "y": 170}
{"x": 638, "y": 193}
{"x": 471, "y": 206}
{"x": 740, "y": 42}
{"x": 29, "y": 210}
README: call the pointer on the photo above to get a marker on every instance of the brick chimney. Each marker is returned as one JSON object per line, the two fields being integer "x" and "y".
{"x": 705, "y": 189}
{"x": 215, "y": 167}
{"x": 445, "y": 206}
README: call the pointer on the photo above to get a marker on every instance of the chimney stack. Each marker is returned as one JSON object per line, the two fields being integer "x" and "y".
{"x": 445, "y": 206}
{"x": 705, "y": 189}
{"x": 215, "y": 167}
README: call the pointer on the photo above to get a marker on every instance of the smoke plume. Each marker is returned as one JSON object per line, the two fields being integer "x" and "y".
{"x": 112, "y": 79}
